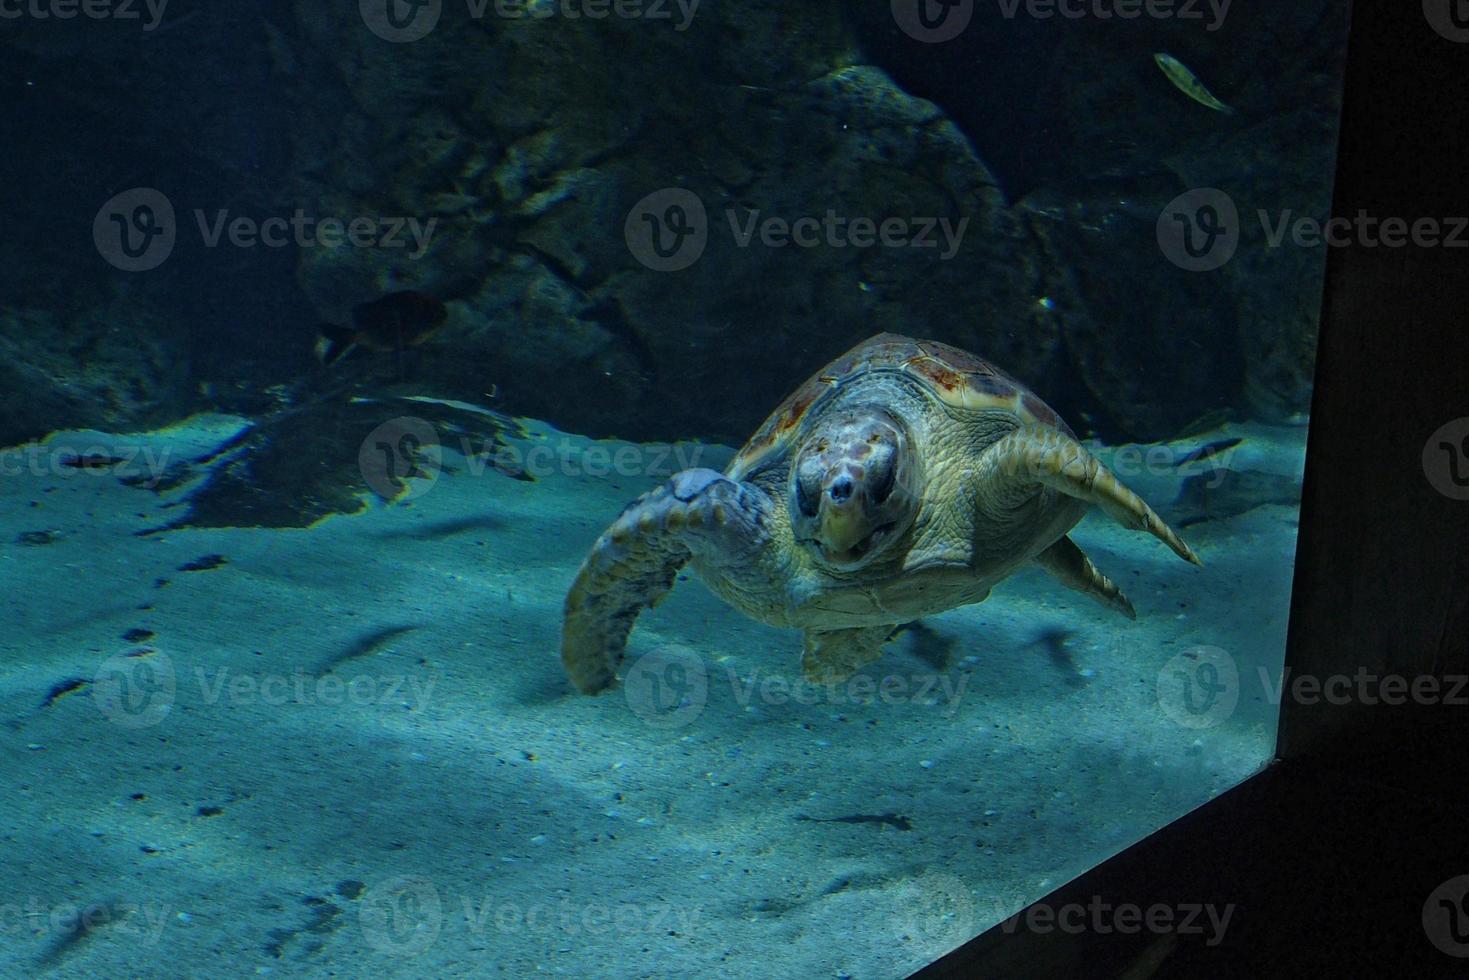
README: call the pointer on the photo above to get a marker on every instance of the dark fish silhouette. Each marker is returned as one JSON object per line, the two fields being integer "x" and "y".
{"x": 390, "y": 324}
{"x": 1206, "y": 451}
{"x": 891, "y": 819}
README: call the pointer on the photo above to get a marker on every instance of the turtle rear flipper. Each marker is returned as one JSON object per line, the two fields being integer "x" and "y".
{"x": 634, "y": 562}
{"x": 1073, "y": 569}
{"x": 831, "y": 656}
{"x": 1031, "y": 456}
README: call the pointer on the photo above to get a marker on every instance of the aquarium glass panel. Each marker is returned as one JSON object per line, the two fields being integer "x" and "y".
{"x": 636, "y": 488}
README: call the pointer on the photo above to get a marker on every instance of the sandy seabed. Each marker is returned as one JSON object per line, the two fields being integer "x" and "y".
{"x": 350, "y": 750}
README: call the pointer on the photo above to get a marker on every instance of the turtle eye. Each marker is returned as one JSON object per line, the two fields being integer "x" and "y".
{"x": 805, "y": 499}
{"x": 884, "y": 485}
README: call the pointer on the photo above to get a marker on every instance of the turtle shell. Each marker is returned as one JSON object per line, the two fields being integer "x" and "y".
{"x": 955, "y": 377}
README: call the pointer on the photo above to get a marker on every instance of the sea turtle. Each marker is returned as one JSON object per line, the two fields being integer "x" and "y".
{"x": 905, "y": 478}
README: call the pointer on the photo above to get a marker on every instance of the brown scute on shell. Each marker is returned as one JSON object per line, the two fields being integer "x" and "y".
{"x": 953, "y": 375}
{"x": 938, "y": 373}
{"x": 783, "y": 420}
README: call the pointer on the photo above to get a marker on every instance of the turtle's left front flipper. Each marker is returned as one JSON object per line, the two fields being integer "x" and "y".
{"x": 634, "y": 562}
{"x": 1029, "y": 456}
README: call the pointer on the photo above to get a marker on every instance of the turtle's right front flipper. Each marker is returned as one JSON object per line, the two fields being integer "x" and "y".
{"x": 635, "y": 560}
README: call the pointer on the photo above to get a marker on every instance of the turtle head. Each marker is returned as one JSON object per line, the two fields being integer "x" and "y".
{"x": 852, "y": 487}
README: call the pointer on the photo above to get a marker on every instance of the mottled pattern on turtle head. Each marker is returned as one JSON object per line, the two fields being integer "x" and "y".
{"x": 850, "y": 492}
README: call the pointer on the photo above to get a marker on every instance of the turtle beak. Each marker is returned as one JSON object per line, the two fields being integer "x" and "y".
{"x": 843, "y": 524}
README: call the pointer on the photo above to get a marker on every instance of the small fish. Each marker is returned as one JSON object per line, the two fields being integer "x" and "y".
{"x": 62, "y": 689}
{"x": 388, "y": 325}
{"x": 1210, "y": 450}
{"x": 76, "y": 929}
{"x": 363, "y": 646}
{"x": 1188, "y": 83}
{"x": 928, "y": 643}
{"x": 890, "y": 819}
{"x": 92, "y": 461}
{"x": 205, "y": 563}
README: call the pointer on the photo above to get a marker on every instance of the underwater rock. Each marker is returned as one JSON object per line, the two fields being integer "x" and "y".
{"x": 1154, "y": 346}
{"x": 322, "y": 454}
{"x": 110, "y": 369}
{"x": 1273, "y": 158}
{"x": 529, "y": 145}
{"x": 1277, "y": 173}
{"x": 1215, "y": 497}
